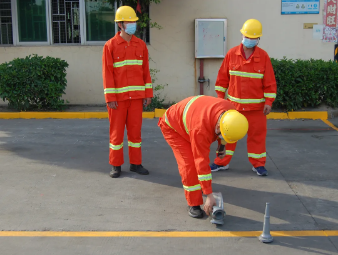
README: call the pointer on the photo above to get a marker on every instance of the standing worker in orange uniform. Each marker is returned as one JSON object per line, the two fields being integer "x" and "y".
{"x": 190, "y": 127}
{"x": 247, "y": 74}
{"x": 127, "y": 88}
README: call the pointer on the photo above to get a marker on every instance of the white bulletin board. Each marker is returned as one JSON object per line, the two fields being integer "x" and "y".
{"x": 210, "y": 38}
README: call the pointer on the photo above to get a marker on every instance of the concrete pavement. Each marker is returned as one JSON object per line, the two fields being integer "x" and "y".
{"x": 54, "y": 177}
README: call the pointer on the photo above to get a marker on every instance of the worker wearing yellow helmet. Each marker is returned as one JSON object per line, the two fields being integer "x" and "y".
{"x": 246, "y": 79}
{"x": 190, "y": 127}
{"x": 127, "y": 88}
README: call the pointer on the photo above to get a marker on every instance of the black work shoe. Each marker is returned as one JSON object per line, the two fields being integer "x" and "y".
{"x": 115, "y": 172}
{"x": 138, "y": 169}
{"x": 195, "y": 211}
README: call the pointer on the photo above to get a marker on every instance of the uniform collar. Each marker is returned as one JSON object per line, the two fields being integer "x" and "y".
{"x": 121, "y": 40}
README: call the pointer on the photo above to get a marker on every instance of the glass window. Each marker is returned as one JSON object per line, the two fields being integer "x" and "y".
{"x": 32, "y": 24}
{"x": 100, "y": 15}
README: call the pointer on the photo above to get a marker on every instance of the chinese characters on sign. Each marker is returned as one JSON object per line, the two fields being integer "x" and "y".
{"x": 330, "y": 21}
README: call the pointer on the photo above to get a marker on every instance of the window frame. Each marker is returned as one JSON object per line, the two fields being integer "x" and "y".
{"x": 49, "y": 27}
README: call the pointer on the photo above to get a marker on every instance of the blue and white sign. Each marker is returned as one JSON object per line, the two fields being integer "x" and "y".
{"x": 300, "y": 6}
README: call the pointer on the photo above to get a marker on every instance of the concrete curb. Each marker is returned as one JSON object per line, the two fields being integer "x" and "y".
{"x": 322, "y": 115}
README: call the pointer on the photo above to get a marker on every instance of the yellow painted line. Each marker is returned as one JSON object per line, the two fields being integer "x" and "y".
{"x": 330, "y": 124}
{"x": 278, "y": 115}
{"x": 298, "y": 115}
{"x": 62, "y": 115}
{"x": 165, "y": 234}
{"x": 148, "y": 115}
{"x": 52, "y": 115}
{"x": 299, "y": 233}
{"x": 331, "y": 232}
{"x": 159, "y": 112}
{"x": 308, "y": 115}
{"x": 96, "y": 115}
{"x": 9, "y": 115}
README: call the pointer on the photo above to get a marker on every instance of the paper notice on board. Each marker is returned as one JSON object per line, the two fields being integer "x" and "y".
{"x": 317, "y": 32}
{"x": 329, "y": 34}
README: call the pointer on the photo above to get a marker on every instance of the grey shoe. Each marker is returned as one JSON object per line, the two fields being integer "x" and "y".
{"x": 115, "y": 172}
{"x": 139, "y": 169}
{"x": 195, "y": 211}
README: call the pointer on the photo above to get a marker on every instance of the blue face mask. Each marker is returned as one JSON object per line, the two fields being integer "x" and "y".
{"x": 249, "y": 43}
{"x": 130, "y": 28}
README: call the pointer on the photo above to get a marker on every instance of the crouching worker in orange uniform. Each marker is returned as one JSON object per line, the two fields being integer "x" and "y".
{"x": 247, "y": 74}
{"x": 190, "y": 127}
{"x": 127, "y": 88}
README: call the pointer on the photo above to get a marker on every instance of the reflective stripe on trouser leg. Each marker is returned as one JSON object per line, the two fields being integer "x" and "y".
{"x": 186, "y": 165}
{"x": 117, "y": 122}
{"x": 256, "y": 137}
{"x": 230, "y": 150}
{"x": 134, "y": 125}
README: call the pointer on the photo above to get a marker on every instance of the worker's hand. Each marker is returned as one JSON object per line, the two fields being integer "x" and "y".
{"x": 146, "y": 101}
{"x": 267, "y": 109}
{"x": 209, "y": 204}
{"x": 113, "y": 105}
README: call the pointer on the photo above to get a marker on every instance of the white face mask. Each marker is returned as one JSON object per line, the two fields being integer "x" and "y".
{"x": 249, "y": 43}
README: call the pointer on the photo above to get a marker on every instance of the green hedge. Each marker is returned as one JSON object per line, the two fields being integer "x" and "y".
{"x": 33, "y": 82}
{"x": 305, "y": 83}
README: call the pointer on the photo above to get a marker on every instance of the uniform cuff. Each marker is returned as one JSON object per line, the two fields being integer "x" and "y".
{"x": 269, "y": 101}
{"x": 149, "y": 93}
{"x": 220, "y": 94}
{"x": 110, "y": 98}
{"x": 207, "y": 190}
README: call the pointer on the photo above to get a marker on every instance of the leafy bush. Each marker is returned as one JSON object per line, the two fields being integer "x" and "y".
{"x": 158, "y": 100}
{"x": 33, "y": 82}
{"x": 305, "y": 83}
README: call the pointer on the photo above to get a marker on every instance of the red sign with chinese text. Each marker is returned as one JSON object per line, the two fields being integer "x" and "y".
{"x": 330, "y": 21}
{"x": 330, "y": 13}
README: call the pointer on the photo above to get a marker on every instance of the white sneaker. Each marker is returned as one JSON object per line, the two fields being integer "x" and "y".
{"x": 216, "y": 168}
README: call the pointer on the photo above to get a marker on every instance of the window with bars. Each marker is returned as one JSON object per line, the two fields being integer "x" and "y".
{"x": 66, "y": 21}
{"x": 6, "y": 30}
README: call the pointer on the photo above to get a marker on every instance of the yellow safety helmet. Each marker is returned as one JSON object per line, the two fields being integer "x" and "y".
{"x": 125, "y": 13}
{"x": 252, "y": 28}
{"x": 234, "y": 126}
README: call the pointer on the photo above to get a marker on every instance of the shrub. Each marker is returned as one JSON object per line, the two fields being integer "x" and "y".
{"x": 33, "y": 82}
{"x": 305, "y": 83}
{"x": 158, "y": 100}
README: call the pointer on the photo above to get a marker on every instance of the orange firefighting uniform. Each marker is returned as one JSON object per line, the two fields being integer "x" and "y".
{"x": 251, "y": 84}
{"x": 189, "y": 129}
{"x": 126, "y": 79}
